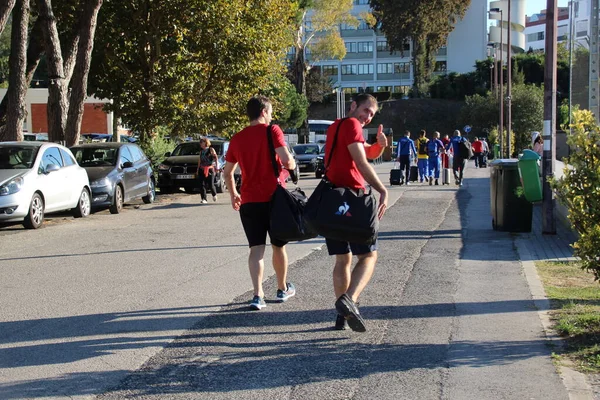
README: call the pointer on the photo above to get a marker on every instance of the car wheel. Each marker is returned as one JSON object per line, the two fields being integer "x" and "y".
{"x": 151, "y": 196}
{"x": 219, "y": 186}
{"x": 35, "y": 216}
{"x": 117, "y": 205}
{"x": 84, "y": 205}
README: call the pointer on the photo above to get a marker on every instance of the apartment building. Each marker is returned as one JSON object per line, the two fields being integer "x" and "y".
{"x": 369, "y": 66}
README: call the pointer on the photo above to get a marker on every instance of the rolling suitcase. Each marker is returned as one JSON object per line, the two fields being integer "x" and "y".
{"x": 396, "y": 177}
{"x": 446, "y": 176}
{"x": 414, "y": 173}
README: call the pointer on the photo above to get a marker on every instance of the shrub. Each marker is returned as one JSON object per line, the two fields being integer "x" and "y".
{"x": 579, "y": 190}
{"x": 155, "y": 148}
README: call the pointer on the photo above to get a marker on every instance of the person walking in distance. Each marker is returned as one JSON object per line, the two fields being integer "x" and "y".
{"x": 250, "y": 149}
{"x": 406, "y": 149}
{"x": 422, "y": 156}
{"x": 207, "y": 165}
{"x": 350, "y": 168}
{"x": 459, "y": 163}
{"x": 445, "y": 156}
{"x": 435, "y": 147}
{"x": 478, "y": 152}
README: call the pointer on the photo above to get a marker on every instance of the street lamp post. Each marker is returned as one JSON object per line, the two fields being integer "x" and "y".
{"x": 509, "y": 85}
{"x": 501, "y": 77}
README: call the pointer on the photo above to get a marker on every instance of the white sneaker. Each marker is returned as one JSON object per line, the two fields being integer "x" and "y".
{"x": 215, "y": 198}
{"x": 204, "y": 202}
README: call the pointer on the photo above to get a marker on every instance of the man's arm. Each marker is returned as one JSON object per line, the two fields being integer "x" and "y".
{"x": 357, "y": 152}
{"x": 375, "y": 150}
{"x": 286, "y": 158}
{"x": 236, "y": 199}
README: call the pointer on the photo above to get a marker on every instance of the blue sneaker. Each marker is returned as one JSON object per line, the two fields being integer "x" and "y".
{"x": 257, "y": 303}
{"x": 284, "y": 295}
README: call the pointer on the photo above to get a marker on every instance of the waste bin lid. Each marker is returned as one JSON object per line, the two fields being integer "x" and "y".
{"x": 529, "y": 155}
{"x": 505, "y": 163}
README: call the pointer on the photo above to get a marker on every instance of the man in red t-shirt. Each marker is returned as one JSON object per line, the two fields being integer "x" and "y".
{"x": 350, "y": 168}
{"x": 250, "y": 149}
{"x": 477, "y": 147}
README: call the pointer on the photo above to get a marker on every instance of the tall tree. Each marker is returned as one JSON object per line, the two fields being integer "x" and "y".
{"x": 188, "y": 64}
{"x": 17, "y": 87}
{"x": 6, "y": 7}
{"x": 426, "y": 23}
{"x": 317, "y": 30}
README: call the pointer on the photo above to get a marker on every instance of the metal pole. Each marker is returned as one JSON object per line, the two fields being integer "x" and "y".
{"x": 509, "y": 85}
{"x": 501, "y": 94}
{"x": 571, "y": 30}
{"x": 594, "y": 90}
{"x": 549, "y": 135}
{"x": 495, "y": 70}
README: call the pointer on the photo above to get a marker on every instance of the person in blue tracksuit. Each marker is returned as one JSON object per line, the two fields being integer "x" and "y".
{"x": 459, "y": 162}
{"x": 406, "y": 148}
{"x": 435, "y": 147}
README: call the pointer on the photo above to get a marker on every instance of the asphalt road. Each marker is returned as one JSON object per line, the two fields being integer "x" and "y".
{"x": 153, "y": 304}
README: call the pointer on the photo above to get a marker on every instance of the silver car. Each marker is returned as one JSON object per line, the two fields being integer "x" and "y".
{"x": 38, "y": 178}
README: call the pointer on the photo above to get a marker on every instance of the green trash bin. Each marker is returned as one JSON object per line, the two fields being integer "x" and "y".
{"x": 496, "y": 151}
{"x": 529, "y": 171}
{"x": 511, "y": 212}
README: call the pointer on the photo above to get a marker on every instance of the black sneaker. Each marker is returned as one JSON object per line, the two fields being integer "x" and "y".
{"x": 347, "y": 308}
{"x": 257, "y": 303}
{"x": 436, "y": 182}
{"x": 340, "y": 323}
{"x": 284, "y": 295}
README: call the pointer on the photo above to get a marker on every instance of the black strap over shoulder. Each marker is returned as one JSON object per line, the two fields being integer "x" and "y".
{"x": 272, "y": 151}
{"x": 333, "y": 145}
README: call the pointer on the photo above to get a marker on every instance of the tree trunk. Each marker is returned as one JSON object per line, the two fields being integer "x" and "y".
{"x": 300, "y": 71}
{"x": 34, "y": 54}
{"x": 6, "y": 7}
{"x": 58, "y": 85}
{"x": 419, "y": 64}
{"x": 17, "y": 88}
{"x": 87, "y": 31}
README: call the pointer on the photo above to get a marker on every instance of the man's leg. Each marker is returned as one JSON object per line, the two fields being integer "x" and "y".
{"x": 342, "y": 274}
{"x": 280, "y": 265}
{"x": 256, "y": 265}
{"x": 476, "y": 160}
{"x": 463, "y": 164}
{"x": 361, "y": 274}
{"x": 202, "y": 186}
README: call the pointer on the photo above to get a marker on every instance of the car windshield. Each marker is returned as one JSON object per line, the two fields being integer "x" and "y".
{"x": 17, "y": 157}
{"x": 306, "y": 149}
{"x": 95, "y": 156}
{"x": 187, "y": 149}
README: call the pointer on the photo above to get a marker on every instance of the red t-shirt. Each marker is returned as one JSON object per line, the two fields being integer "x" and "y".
{"x": 477, "y": 146}
{"x": 342, "y": 170}
{"x": 250, "y": 149}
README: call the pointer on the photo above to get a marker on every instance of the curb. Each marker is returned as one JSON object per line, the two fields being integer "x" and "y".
{"x": 575, "y": 382}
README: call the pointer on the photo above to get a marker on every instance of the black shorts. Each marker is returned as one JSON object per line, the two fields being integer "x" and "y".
{"x": 255, "y": 220}
{"x": 335, "y": 247}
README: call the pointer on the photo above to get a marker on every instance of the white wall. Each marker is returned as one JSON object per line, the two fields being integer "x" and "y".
{"x": 468, "y": 41}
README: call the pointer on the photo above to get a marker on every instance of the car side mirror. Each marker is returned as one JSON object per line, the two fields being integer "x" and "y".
{"x": 51, "y": 168}
{"x": 127, "y": 164}
{"x": 168, "y": 154}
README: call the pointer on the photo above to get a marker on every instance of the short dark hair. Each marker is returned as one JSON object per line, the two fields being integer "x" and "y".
{"x": 255, "y": 106}
{"x": 422, "y": 133}
{"x": 406, "y": 133}
{"x": 362, "y": 98}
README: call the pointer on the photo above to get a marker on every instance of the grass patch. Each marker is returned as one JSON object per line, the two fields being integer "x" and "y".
{"x": 575, "y": 300}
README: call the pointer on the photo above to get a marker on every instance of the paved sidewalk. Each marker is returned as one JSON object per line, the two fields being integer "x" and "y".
{"x": 450, "y": 316}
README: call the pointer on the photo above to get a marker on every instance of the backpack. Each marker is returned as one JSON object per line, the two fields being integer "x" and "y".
{"x": 423, "y": 146}
{"x": 464, "y": 150}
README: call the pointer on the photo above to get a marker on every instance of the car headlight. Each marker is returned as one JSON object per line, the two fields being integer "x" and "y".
{"x": 100, "y": 183}
{"x": 163, "y": 167}
{"x": 12, "y": 186}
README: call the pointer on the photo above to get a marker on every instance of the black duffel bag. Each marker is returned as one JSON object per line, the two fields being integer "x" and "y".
{"x": 341, "y": 213}
{"x": 287, "y": 208}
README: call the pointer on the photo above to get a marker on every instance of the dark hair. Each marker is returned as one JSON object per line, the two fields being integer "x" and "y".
{"x": 255, "y": 106}
{"x": 538, "y": 139}
{"x": 363, "y": 98}
{"x": 406, "y": 133}
{"x": 422, "y": 133}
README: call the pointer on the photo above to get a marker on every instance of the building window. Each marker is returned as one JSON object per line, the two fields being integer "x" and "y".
{"x": 346, "y": 27}
{"x": 406, "y": 45}
{"x": 385, "y": 68}
{"x": 440, "y": 66}
{"x": 349, "y": 69}
{"x": 401, "y": 68}
{"x": 362, "y": 25}
{"x": 581, "y": 28}
{"x": 350, "y": 90}
{"x": 329, "y": 70}
{"x": 360, "y": 2}
{"x": 365, "y": 69}
{"x": 367, "y": 89}
{"x": 351, "y": 47}
{"x": 534, "y": 37}
{"x": 384, "y": 88}
{"x": 382, "y": 45}
{"x": 365, "y": 47}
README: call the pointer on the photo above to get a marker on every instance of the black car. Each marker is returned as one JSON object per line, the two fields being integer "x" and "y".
{"x": 306, "y": 156}
{"x": 118, "y": 173}
{"x": 180, "y": 168}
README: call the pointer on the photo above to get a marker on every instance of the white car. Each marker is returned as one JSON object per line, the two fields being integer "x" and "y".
{"x": 38, "y": 178}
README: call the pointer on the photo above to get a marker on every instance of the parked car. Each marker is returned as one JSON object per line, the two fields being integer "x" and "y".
{"x": 38, "y": 178}
{"x": 35, "y": 137}
{"x": 105, "y": 137}
{"x": 306, "y": 156}
{"x": 180, "y": 168}
{"x": 118, "y": 173}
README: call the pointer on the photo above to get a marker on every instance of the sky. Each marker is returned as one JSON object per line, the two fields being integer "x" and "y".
{"x": 535, "y": 6}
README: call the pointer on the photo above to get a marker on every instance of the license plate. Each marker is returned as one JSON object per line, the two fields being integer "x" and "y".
{"x": 303, "y": 166}
{"x": 188, "y": 176}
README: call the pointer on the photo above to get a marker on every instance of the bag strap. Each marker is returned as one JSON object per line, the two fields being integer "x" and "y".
{"x": 272, "y": 151}
{"x": 333, "y": 145}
